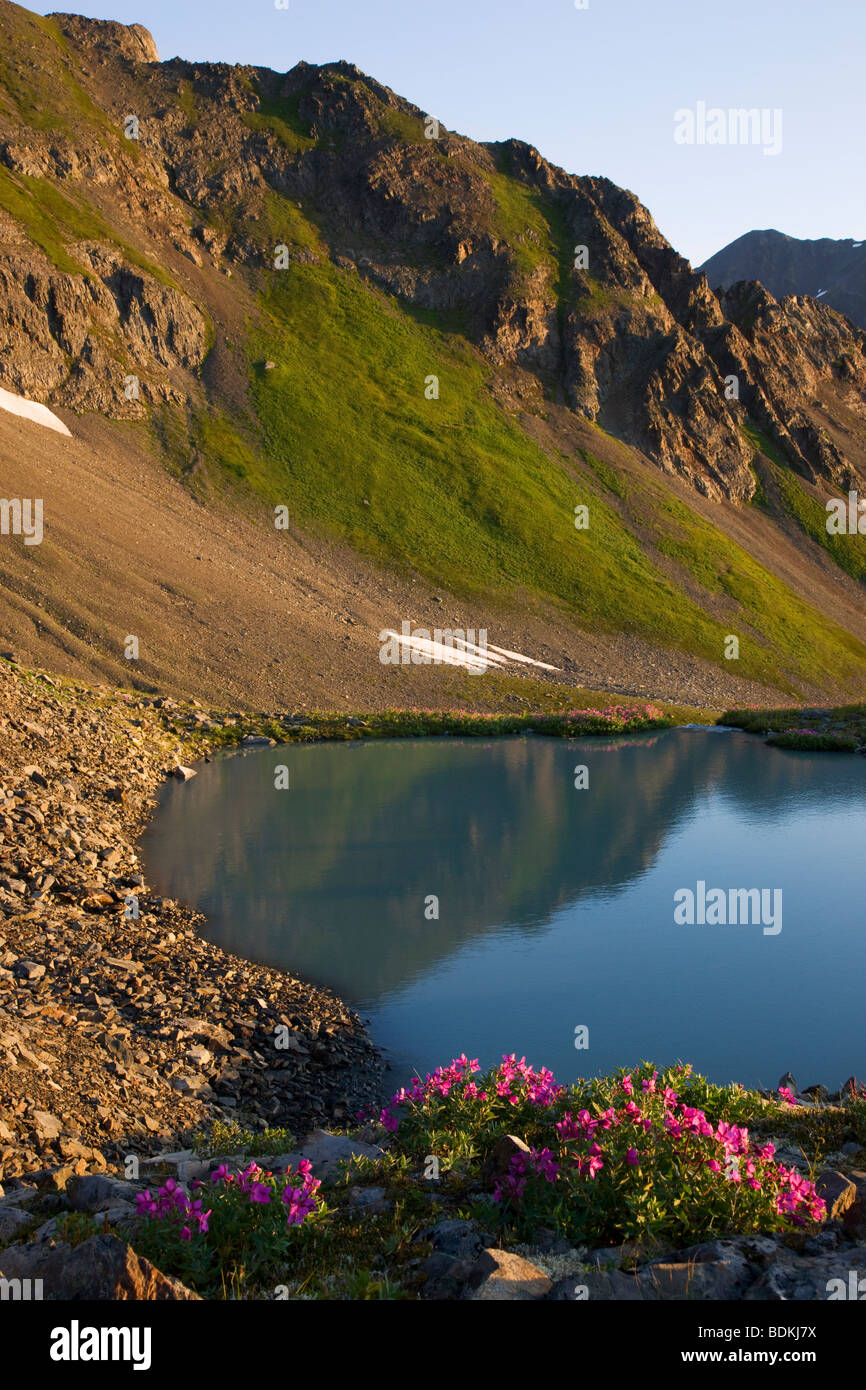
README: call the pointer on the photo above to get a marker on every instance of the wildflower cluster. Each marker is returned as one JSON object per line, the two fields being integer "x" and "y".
{"x": 243, "y": 1221}
{"x": 620, "y": 1158}
{"x": 172, "y": 1203}
{"x": 513, "y": 1083}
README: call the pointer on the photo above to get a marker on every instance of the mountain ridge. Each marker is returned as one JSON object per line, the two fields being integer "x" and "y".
{"x": 832, "y": 269}
{"x": 406, "y": 259}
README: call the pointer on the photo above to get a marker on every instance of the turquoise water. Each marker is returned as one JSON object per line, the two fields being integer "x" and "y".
{"x": 555, "y": 905}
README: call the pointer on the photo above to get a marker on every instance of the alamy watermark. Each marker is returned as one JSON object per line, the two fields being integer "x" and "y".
{"x": 22, "y": 516}
{"x": 846, "y": 517}
{"x": 729, "y": 907}
{"x": 854, "y": 1289}
{"x": 20, "y": 1290}
{"x": 441, "y": 647}
{"x": 738, "y": 125}
{"x": 77, "y": 1343}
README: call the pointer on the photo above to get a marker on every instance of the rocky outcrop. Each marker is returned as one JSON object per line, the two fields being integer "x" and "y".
{"x": 107, "y": 39}
{"x": 79, "y": 340}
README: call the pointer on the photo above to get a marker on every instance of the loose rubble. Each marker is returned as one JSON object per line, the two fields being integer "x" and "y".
{"x": 122, "y": 1032}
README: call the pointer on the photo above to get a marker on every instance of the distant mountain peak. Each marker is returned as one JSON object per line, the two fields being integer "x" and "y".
{"x": 834, "y": 270}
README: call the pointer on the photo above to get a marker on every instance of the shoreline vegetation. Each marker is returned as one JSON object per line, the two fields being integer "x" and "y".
{"x": 138, "y": 1059}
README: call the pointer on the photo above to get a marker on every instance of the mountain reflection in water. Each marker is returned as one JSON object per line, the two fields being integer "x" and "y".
{"x": 555, "y": 904}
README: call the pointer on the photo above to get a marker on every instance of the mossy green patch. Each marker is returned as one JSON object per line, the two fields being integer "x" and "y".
{"x": 848, "y": 551}
{"x": 187, "y": 99}
{"x": 46, "y": 95}
{"x": 53, "y": 221}
{"x": 606, "y": 475}
{"x": 523, "y": 220}
{"x": 453, "y": 488}
{"x": 402, "y": 125}
{"x": 281, "y": 118}
{"x": 796, "y": 637}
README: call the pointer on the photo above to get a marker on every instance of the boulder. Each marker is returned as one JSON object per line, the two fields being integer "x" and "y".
{"x": 498, "y": 1160}
{"x": 500, "y": 1276}
{"x": 97, "y": 1192}
{"x": 602, "y": 1285}
{"x": 373, "y": 1201}
{"x": 854, "y": 1220}
{"x": 28, "y": 970}
{"x": 837, "y": 1190}
{"x": 687, "y": 1279}
{"x": 446, "y": 1276}
{"x": 102, "y": 1268}
{"x": 459, "y": 1239}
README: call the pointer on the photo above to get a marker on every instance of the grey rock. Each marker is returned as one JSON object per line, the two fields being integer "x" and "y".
{"x": 822, "y": 1243}
{"x": 459, "y": 1239}
{"x": 28, "y": 970}
{"x": 102, "y": 1268}
{"x": 12, "y": 1222}
{"x": 696, "y": 1279}
{"x": 757, "y": 1249}
{"x": 573, "y": 1288}
{"x": 611, "y": 1285}
{"x": 446, "y": 1277}
{"x": 792, "y": 1277}
{"x": 327, "y": 1151}
{"x": 816, "y": 1093}
{"x": 372, "y": 1200}
{"x": 97, "y": 1192}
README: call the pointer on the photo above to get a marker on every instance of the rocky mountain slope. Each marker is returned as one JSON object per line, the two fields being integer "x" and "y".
{"x": 298, "y": 290}
{"x": 834, "y": 271}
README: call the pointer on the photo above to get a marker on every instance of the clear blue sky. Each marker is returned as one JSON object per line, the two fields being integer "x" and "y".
{"x": 594, "y": 90}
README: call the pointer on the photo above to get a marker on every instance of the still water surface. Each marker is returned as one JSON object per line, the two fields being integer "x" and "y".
{"x": 556, "y": 905}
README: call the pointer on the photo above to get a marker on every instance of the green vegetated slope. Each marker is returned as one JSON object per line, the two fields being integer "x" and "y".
{"x": 454, "y": 488}
{"x": 802, "y": 503}
{"x": 849, "y": 552}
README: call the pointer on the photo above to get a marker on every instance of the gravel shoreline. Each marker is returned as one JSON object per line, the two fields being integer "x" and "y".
{"x": 120, "y": 1034}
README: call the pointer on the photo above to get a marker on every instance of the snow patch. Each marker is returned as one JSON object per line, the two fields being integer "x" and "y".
{"x": 527, "y": 660}
{"x": 459, "y": 652}
{"x": 31, "y": 410}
